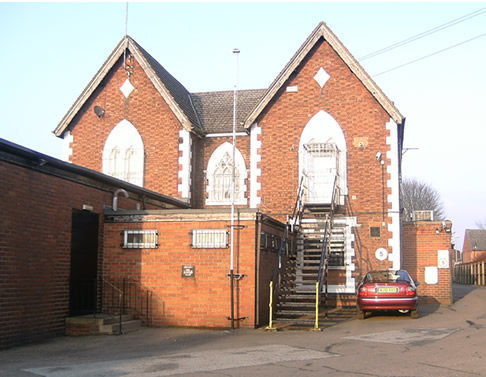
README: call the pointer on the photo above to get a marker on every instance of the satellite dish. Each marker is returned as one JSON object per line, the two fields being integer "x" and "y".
{"x": 99, "y": 111}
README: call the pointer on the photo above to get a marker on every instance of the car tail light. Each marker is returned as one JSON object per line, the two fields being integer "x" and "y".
{"x": 410, "y": 291}
{"x": 363, "y": 291}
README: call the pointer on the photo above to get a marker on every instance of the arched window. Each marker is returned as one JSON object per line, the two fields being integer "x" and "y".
{"x": 114, "y": 164}
{"x": 322, "y": 158}
{"x": 220, "y": 176}
{"x": 123, "y": 154}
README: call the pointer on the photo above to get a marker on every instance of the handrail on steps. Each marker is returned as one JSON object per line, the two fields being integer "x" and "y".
{"x": 299, "y": 205}
{"x": 129, "y": 295}
{"x": 324, "y": 261}
{"x": 283, "y": 250}
{"x": 120, "y": 299}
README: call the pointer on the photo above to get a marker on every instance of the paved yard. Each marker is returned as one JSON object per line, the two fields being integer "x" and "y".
{"x": 444, "y": 341}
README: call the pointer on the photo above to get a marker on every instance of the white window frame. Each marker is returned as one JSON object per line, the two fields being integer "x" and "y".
{"x": 220, "y": 159}
{"x": 123, "y": 154}
{"x": 210, "y": 239}
{"x": 150, "y": 239}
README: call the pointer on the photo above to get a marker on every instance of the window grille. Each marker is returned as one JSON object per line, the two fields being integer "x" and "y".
{"x": 140, "y": 239}
{"x": 209, "y": 238}
{"x": 336, "y": 258}
{"x": 321, "y": 149}
{"x": 321, "y": 168}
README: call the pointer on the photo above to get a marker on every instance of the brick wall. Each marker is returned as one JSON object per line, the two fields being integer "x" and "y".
{"x": 346, "y": 99}
{"x": 147, "y": 111}
{"x": 205, "y": 299}
{"x": 203, "y": 152}
{"x": 35, "y": 243}
{"x": 421, "y": 244}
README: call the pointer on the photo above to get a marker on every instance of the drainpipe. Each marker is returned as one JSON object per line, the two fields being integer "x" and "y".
{"x": 115, "y": 197}
{"x": 258, "y": 230}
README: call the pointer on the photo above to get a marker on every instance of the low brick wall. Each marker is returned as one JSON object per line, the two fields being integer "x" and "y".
{"x": 424, "y": 245}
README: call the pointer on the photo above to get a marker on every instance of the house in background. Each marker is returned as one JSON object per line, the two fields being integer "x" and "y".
{"x": 474, "y": 248}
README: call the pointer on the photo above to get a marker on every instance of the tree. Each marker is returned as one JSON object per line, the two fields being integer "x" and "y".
{"x": 481, "y": 224}
{"x": 420, "y": 196}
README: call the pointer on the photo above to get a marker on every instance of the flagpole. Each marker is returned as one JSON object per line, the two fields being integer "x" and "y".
{"x": 236, "y": 53}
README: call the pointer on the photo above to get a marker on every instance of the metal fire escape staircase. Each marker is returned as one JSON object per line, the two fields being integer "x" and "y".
{"x": 300, "y": 281}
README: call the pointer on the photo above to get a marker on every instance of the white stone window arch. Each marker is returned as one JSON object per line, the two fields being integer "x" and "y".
{"x": 219, "y": 176}
{"x": 123, "y": 154}
{"x": 324, "y": 131}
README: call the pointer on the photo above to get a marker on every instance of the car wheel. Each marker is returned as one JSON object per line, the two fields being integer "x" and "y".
{"x": 414, "y": 314}
{"x": 360, "y": 314}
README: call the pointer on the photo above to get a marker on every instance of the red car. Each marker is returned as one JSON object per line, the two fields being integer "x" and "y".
{"x": 386, "y": 290}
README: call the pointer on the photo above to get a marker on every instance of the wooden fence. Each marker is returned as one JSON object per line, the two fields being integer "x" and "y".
{"x": 470, "y": 273}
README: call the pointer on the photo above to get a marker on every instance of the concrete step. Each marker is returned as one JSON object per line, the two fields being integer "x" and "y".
{"x": 127, "y": 326}
{"x": 101, "y": 324}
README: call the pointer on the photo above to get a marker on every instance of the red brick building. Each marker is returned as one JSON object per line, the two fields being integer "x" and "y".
{"x": 317, "y": 167}
{"x": 474, "y": 248}
{"x": 52, "y": 232}
{"x": 322, "y": 122}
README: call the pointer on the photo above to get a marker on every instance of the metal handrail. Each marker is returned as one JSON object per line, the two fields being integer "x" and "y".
{"x": 145, "y": 294}
{"x": 120, "y": 301}
{"x": 130, "y": 296}
{"x": 291, "y": 223}
{"x": 283, "y": 249}
{"x": 298, "y": 207}
{"x": 324, "y": 261}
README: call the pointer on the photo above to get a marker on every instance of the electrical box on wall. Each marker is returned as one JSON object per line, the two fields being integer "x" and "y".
{"x": 431, "y": 275}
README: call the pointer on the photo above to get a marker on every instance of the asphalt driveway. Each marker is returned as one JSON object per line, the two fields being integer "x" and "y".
{"x": 444, "y": 341}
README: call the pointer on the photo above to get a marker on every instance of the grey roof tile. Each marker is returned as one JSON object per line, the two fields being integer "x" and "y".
{"x": 180, "y": 94}
{"x": 476, "y": 238}
{"x": 215, "y": 109}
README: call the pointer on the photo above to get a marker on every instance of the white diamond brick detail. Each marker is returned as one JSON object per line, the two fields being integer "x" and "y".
{"x": 127, "y": 88}
{"x": 321, "y": 77}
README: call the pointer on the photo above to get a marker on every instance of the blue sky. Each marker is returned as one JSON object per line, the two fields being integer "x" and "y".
{"x": 52, "y": 50}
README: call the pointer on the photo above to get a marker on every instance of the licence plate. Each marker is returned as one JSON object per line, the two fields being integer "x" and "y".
{"x": 387, "y": 290}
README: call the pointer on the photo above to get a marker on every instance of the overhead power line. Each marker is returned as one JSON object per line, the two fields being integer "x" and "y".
{"x": 429, "y": 55}
{"x": 424, "y": 34}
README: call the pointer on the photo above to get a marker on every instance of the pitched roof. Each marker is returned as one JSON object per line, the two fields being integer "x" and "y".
{"x": 215, "y": 109}
{"x": 180, "y": 94}
{"x": 476, "y": 239}
{"x": 212, "y": 112}
{"x": 322, "y": 31}
{"x": 174, "y": 93}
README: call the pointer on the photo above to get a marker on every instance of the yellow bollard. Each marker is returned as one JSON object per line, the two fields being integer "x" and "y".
{"x": 270, "y": 322}
{"x": 316, "y": 325}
